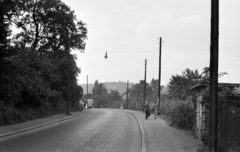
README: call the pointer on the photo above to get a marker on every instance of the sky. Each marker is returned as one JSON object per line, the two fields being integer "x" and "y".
{"x": 129, "y": 31}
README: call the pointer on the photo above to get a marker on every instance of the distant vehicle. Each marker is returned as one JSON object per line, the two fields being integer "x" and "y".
{"x": 90, "y": 103}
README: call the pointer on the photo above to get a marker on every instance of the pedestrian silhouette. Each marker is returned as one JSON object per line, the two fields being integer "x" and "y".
{"x": 146, "y": 109}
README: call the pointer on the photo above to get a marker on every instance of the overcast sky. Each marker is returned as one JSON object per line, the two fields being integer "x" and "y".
{"x": 129, "y": 30}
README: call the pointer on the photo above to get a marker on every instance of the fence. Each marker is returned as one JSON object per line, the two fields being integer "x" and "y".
{"x": 229, "y": 123}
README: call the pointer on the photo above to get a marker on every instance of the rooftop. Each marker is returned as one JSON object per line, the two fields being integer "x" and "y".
{"x": 204, "y": 85}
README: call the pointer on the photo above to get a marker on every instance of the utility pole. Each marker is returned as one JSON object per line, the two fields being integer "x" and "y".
{"x": 214, "y": 71}
{"x": 159, "y": 74}
{"x": 127, "y": 94}
{"x": 87, "y": 85}
{"x": 145, "y": 77}
{"x": 68, "y": 96}
{"x": 68, "y": 113}
{"x": 99, "y": 97}
{"x": 87, "y": 88}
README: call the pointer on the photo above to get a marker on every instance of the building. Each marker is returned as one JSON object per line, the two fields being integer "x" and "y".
{"x": 200, "y": 111}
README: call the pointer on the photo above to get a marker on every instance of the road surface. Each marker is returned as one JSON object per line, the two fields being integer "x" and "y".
{"x": 103, "y": 130}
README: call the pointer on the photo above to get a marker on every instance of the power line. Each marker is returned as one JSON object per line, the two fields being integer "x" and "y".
{"x": 172, "y": 25}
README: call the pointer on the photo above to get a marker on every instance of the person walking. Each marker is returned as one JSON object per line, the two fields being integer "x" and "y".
{"x": 146, "y": 109}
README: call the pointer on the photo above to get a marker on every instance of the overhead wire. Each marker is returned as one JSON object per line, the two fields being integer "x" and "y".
{"x": 176, "y": 18}
{"x": 168, "y": 12}
{"x": 170, "y": 30}
{"x": 184, "y": 36}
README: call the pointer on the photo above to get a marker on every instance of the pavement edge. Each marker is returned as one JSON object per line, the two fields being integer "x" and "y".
{"x": 42, "y": 125}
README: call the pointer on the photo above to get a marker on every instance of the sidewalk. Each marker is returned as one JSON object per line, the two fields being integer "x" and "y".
{"x": 160, "y": 137}
{"x": 37, "y": 123}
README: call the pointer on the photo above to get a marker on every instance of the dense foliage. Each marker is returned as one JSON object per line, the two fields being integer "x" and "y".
{"x": 179, "y": 107}
{"x": 180, "y": 85}
{"x": 36, "y": 66}
{"x": 178, "y": 103}
{"x": 179, "y": 111}
{"x": 112, "y": 98}
{"x": 228, "y": 118}
{"x": 104, "y": 98}
{"x": 136, "y": 94}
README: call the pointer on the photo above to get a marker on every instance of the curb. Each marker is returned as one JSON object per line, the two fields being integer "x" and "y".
{"x": 42, "y": 125}
{"x": 143, "y": 148}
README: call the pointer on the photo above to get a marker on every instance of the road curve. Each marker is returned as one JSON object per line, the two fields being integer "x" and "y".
{"x": 104, "y": 130}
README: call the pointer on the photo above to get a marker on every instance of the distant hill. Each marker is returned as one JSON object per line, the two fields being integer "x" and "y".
{"x": 120, "y": 86}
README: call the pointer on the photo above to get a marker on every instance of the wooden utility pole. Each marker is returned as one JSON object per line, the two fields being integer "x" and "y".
{"x": 99, "y": 97}
{"x": 145, "y": 77}
{"x": 210, "y": 103}
{"x": 68, "y": 112}
{"x": 127, "y": 94}
{"x": 69, "y": 55}
{"x": 87, "y": 85}
{"x": 214, "y": 71}
{"x": 159, "y": 74}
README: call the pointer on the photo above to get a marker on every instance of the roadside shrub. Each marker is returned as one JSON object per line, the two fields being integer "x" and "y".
{"x": 12, "y": 116}
{"x": 45, "y": 109}
{"x": 167, "y": 107}
{"x": 204, "y": 138}
{"x": 180, "y": 112}
{"x": 61, "y": 106}
{"x": 183, "y": 116}
{"x": 22, "y": 113}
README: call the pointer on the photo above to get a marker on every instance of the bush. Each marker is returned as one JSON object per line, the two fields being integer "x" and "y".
{"x": 15, "y": 115}
{"x": 183, "y": 116}
{"x": 12, "y": 116}
{"x": 204, "y": 138}
{"x": 180, "y": 111}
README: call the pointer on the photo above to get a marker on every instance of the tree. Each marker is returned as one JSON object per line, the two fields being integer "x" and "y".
{"x": 36, "y": 64}
{"x": 115, "y": 99}
{"x": 136, "y": 93}
{"x": 47, "y": 26}
{"x": 206, "y": 75}
{"x": 154, "y": 94}
{"x": 180, "y": 85}
{"x": 100, "y": 94}
{"x": 4, "y": 27}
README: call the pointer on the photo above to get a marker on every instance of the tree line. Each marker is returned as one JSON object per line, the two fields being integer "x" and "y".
{"x": 179, "y": 87}
{"x": 36, "y": 66}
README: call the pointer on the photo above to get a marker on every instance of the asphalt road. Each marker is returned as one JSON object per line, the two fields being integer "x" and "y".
{"x": 102, "y": 131}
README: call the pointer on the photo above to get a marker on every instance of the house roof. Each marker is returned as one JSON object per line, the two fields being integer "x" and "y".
{"x": 204, "y": 85}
